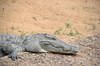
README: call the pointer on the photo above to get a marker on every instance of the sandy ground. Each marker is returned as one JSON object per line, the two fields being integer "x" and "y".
{"x": 47, "y": 16}
{"x": 20, "y": 17}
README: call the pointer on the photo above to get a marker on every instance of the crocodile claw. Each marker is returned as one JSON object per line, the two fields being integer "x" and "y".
{"x": 13, "y": 55}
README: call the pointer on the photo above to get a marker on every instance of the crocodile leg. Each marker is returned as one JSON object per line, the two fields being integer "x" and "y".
{"x": 1, "y": 54}
{"x": 7, "y": 49}
{"x": 12, "y": 53}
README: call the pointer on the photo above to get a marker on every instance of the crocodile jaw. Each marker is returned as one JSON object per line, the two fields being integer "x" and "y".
{"x": 58, "y": 48}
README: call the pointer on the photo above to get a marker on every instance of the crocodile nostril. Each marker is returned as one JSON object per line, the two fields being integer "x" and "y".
{"x": 77, "y": 50}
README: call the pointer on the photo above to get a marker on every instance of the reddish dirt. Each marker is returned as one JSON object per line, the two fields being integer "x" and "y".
{"x": 47, "y": 16}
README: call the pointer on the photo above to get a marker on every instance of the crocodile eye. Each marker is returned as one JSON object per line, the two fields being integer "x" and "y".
{"x": 53, "y": 38}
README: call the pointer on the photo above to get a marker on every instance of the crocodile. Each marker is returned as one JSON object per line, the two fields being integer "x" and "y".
{"x": 10, "y": 45}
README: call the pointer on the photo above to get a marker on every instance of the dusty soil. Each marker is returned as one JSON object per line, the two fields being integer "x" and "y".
{"x": 48, "y": 16}
{"x": 20, "y": 17}
{"x": 89, "y": 55}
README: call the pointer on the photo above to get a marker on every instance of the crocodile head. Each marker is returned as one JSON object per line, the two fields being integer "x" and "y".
{"x": 53, "y": 44}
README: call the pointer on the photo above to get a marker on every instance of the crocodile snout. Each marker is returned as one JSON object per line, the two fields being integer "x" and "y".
{"x": 75, "y": 49}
